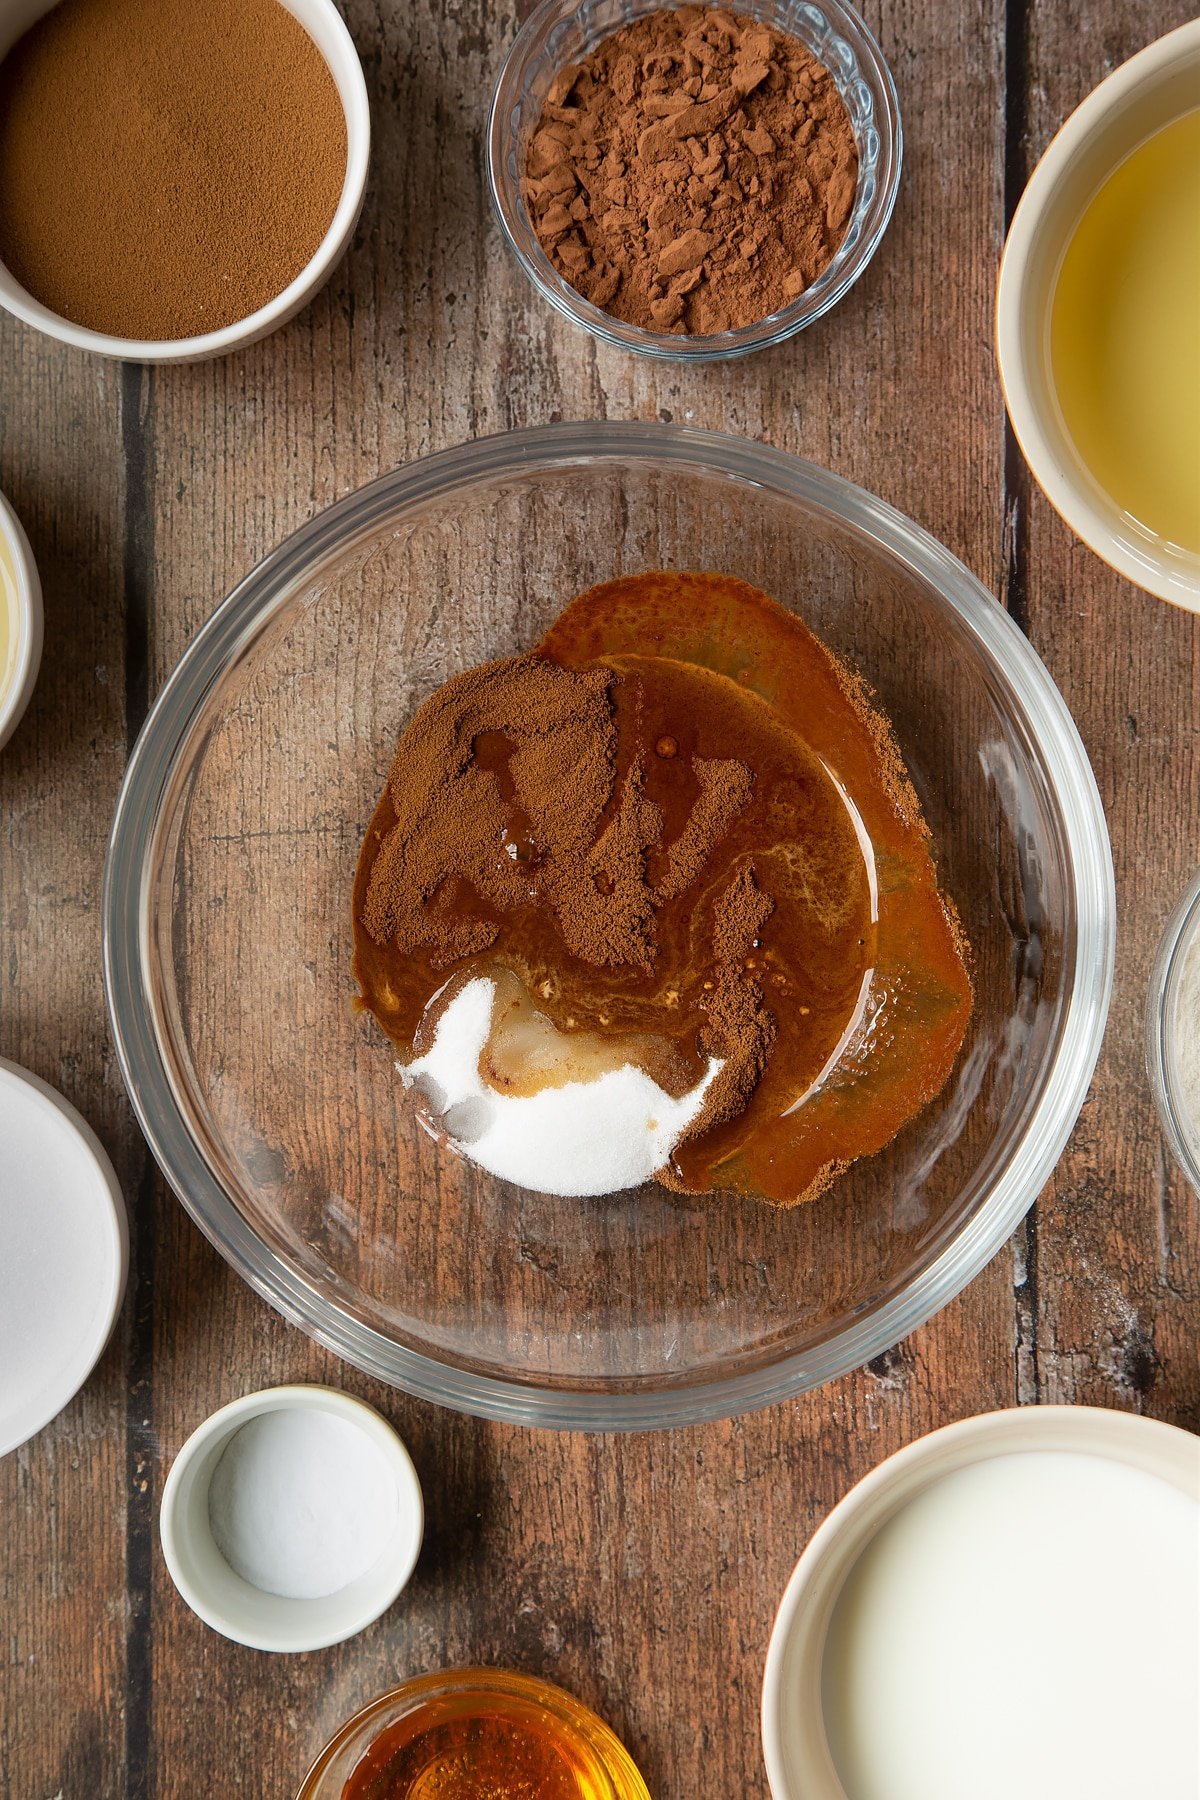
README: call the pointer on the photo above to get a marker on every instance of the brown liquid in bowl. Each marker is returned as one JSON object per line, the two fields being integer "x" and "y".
{"x": 838, "y": 1017}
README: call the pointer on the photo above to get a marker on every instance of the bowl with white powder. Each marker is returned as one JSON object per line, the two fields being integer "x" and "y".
{"x": 1173, "y": 1032}
{"x": 292, "y": 1518}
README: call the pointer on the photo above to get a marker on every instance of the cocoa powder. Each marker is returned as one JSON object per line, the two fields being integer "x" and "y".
{"x": 694, "y": 174}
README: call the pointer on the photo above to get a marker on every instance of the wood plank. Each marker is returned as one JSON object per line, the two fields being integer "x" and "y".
{"x": 63, "y": 1496}
{"x": 643, "y": 1573}
{"x": 1115, "y": 1289}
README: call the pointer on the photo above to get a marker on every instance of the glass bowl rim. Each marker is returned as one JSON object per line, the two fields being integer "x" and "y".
{"x": 1180, "y": 934}
{"x": 777, "y": 327}
{"x": 482, "y": 1679}
{"x": 248, "y": 609}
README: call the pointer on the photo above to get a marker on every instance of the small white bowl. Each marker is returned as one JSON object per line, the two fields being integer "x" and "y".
{"x": 21, "y": 609}
{"x": 1150, "y": 91}
{"x": 800, "y": 1764}
{"x": 326, "y": 28}
{"x": 235, "y": 1607}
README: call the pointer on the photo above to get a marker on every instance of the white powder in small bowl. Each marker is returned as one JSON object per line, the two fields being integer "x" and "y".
{"x": 301, "y": 1503}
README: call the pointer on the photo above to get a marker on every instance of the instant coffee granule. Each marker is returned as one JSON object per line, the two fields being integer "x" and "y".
{"x": 166, "y": 166}
{"x": 695, "y": 173}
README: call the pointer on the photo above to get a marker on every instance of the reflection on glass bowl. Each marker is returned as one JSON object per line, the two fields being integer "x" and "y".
{"x": 276, "y": 1112}
{"x": 1173, "y": 1031}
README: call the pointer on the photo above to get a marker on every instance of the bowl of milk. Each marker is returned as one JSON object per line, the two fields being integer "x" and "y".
{"x": 1010, "y": 1605}
{"x": 1096, "y": 312}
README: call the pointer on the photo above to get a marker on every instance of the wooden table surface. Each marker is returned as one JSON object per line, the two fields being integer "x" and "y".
{"x": 642, "y": 1572}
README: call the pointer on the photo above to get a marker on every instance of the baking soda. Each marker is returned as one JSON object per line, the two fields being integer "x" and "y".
{"x": 301, "y": 1503}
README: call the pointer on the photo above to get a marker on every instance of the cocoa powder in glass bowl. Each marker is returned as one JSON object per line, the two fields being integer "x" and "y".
{"x": 694, "y": 172}
{"x": 560, "y": 35}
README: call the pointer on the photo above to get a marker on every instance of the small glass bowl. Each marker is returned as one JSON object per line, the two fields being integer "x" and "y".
{"x": 1165, "y": 1025}
{"x": 560, "y": 32}
{"x": 603, "y": 1766}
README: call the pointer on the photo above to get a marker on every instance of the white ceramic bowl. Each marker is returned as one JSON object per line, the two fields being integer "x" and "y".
{"x": 233, "y": 1606}
{"x": 324, "y": 25}
{"x": 65, "y": 1253}
{"x": 21, "y": 611}
{"x": 1150, "y": 91}
{"x": 800, "y": 1765}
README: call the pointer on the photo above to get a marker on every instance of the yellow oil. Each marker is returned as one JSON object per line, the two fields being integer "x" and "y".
{"x": 1125, "y": 335}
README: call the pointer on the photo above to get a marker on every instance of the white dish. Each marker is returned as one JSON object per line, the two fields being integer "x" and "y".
{"x": 234, "y": 1606}
{"x": 64, "y": 1253}
{"x": 807, "y": 1644}
{"x": 324, "y": 25}
{"x": 1150, "y": 91}
{"x": 21, "y": 615}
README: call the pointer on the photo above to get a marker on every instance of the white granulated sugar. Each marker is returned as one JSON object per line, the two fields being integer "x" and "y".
{"x": 583, "y": 1138}
{"x": 301, "y": 1503}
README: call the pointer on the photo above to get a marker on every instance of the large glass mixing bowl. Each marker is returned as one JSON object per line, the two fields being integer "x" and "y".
{"x": 275, "y": 1110}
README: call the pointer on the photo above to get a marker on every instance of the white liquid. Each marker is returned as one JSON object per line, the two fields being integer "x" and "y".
{"x": 1026, "y": 1629}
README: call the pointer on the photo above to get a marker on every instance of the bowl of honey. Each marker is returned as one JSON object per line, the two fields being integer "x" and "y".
{"x": 609, "y": 926}
{"x": 1096, "y": 319}
{"x": 474, "y": 1734}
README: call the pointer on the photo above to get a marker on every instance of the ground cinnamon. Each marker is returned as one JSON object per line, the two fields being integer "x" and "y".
{"x": 695, "y": 173}
{"x": 506, "y": 784}
{"x": 166, "y": 167}
{"x": 587, "y": 830}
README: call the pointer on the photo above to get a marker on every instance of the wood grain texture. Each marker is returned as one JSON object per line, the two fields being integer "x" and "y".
{"x": 643, "y": 1572}
{"x": 1113, "y": 1284}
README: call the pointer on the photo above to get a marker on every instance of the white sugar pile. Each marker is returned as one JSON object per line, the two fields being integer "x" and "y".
{"x": 585, "y": 1137}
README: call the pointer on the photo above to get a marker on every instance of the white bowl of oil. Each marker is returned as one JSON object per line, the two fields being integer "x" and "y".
{"x": 20, "y": 621}
{"x": 1098, "y": 319}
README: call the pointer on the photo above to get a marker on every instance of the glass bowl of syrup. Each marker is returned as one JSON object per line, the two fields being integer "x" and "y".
{"x": 275, "y": 1109}
{"x": 474, "y": 1734}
